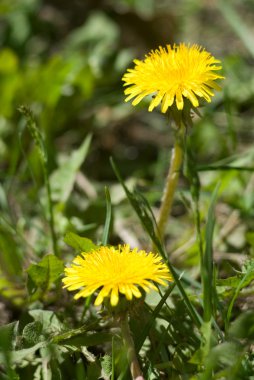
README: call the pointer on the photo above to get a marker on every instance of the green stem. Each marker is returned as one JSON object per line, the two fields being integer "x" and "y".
{"x": 135, "y": 369}
{"x": 51, "y": 211}
{"x": 199, "y": 234}
{"x": 171, "y": 183}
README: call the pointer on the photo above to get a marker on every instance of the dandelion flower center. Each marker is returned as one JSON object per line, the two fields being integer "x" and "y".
{"x": 173, "y": 75}
{"x": 115, "y": 270}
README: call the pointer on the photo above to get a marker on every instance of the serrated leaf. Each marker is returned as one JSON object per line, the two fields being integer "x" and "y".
{"x": 49, "y": 321}
{"x": 81, "y": 244}
{"x": 27, "y": 354}
{"x": 244, "y": 278}
{"x": 69, "y": 334}
{"x": 81, "y": 337}
{"x": 88, "y": 339}
{"x": 231, "y": 282}
{"x": 32, "y": 333}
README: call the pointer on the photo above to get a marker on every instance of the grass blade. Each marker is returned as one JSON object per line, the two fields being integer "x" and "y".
{"x": 207, "y": 262}
{"x": 207, "y": 168}
{"x": 108, "y": 217}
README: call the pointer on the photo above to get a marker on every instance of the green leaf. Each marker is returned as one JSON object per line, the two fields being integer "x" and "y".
{"x": 49, "y": 321}
{"x": 32, "y": 333}
{"x": 8, "y": 338}
{"x": 231, "y": 282}
{"x": 242, "y": 327}
{"x": 221, "y": 356}
{"x": 8, "y": 334}
{"x": 243, "y": 279}
{"x": 43, "y": 274}
{"x": 88, "y": 339}
{"x": 97, "y": 35}
{"x": 10, "y": 259}
{"x": 62, "y": 180}
{"x": 17, "y": 357}
{"x": 69, "y": 334}
{"x": 201, "y": 354}
{"x": 246, "y": 278}
{"x": 81, "y": 244}
{"x": 81, "y": 337}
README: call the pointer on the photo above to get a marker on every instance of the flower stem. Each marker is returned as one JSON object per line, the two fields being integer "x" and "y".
{"x": 171, "y": 183}
{"x": 135, "y": 369}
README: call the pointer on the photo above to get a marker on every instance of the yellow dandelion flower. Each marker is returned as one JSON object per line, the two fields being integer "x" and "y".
{"x": 113, "y": 270}
{"x": 173, "y": 75}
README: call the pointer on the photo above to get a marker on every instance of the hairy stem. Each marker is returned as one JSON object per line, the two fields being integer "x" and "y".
{"x": 135, "y": 369}
{"x": 171, "y": 184}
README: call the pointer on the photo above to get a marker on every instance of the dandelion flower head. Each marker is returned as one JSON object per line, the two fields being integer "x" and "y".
{"x": 173, "y": 74}
{"x": 112, "y": 271}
